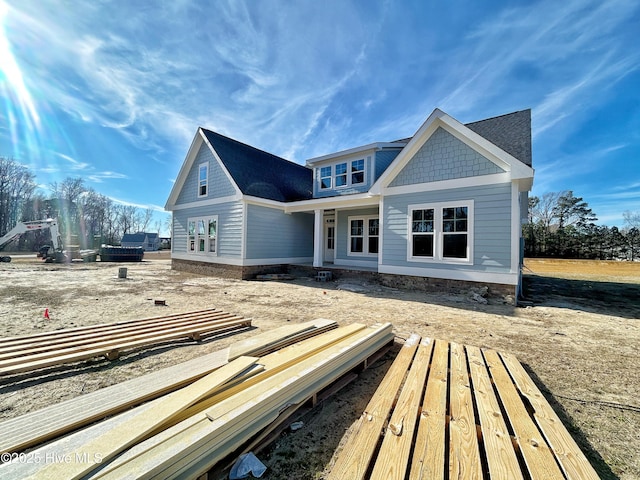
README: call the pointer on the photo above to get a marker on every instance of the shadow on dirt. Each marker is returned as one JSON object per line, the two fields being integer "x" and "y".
{"x": 592, "y": 455}
{"x": 606, "y": 298}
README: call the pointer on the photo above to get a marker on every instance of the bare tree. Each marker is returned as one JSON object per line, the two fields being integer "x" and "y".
{"x": 17, "y": 184}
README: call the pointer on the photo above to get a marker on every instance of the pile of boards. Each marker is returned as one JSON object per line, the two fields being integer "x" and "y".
{"x": 32, "y": 352}
{"x": 200, "y": 411}
{"x": 446, "y": 410}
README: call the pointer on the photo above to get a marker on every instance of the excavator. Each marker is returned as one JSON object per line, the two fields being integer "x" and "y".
{"x": 50, "y": 253}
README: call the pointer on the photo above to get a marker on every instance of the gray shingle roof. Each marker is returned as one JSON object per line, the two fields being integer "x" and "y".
{"x": 510, "y": 132}
{"x": 262, "y": 174}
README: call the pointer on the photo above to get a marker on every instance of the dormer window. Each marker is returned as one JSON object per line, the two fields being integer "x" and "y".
{"x": 357, "y": 171}
{"x": 341, "y": 174}
{"x": 325, "y": 177}
{"x": 346, "y": 174}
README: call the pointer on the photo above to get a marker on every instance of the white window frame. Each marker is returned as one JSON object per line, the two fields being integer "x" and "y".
{"x": 200, "y": 182}
{"x": 365, "y": 235}
{"x": 353, "y": 172}
{"x": 345, "y": 175}
{"x": 330, "y": 177}
{"x": 193, "y": 240}
{"x": 438, "y": 233}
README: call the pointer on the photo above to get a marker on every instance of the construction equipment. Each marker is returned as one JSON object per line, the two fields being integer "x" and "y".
{"x": 50, "y": 253}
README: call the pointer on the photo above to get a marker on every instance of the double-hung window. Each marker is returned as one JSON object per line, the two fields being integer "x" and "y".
{"x": 441, "y": 232}
{"x": 364, "y": 235}
{"x": 325, "y": 177}
{"x": 341, "y": 174}
{"x": 357, "y": 171}
{"x": 203, "y": 179}
{"x": 202, "y": 235}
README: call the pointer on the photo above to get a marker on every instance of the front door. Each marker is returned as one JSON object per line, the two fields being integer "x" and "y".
{"x": 329, "y": 239}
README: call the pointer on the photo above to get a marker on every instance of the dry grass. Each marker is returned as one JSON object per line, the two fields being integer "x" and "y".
{"x": 579, "y": 340}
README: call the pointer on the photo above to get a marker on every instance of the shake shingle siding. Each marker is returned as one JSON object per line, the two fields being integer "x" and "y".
{"x": 444, "y": 157}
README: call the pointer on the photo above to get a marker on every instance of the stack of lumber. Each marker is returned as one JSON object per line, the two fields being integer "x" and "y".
{"x": 446, "y": 410}
{"x": 31, "y": 352}
{"x": 55, "y": 420}
{"x": 186, "y": 433}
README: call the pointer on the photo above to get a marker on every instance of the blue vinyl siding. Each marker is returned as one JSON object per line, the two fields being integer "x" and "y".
{"x": 273, "y": 234}
{"x": 492, "y": 227}
{"x": 229, "y": 228}
{"x": 444, "y": 157}
{"x": 219, "y": 184}
{"x": 383, "y": 160}
{"x": 342, "y": 234}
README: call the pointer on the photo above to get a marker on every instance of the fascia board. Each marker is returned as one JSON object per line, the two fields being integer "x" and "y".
{"x": 410, "y": 149}
{"x": 197, "y": 142}
{"x": 438, "y": 118}
{"x": 222, "y": 166}
{"x": 483, "y": 146}
{"x": 184, "y": 170}
{"x": 343, "y": 201}
{"x": 352, "y": 151}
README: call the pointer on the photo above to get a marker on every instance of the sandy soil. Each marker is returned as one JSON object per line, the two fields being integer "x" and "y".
{"x": 578, "y": 338}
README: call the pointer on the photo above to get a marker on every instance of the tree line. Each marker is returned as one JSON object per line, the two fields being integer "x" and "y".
{"x": 85, "y": 217}
{"x": 562, "y": 225}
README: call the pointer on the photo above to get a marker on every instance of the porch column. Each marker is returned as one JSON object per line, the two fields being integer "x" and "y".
{"x": 318, "y": 233}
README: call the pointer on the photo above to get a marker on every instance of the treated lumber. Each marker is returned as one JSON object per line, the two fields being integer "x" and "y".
{"x": 28, "y": 430}
{"x": 77, "y": 354}
{"x": 464, "y": 453}
{"x": 355, "y": 458}
{"x": 28, "y": 349}
{"x": 572, "y": 461}
{"x": 393, "y": 457}
{"x": 429, "y": 456}
{"x": 276, "y": 362}
{"x": 500, "y": 454}
{"x": 194, "y": 446}
{"x": 280, "y": 337}
{"x": 106, "y": 446}
{"x": 70, "y": 332}
{"x": 537, "y": 456}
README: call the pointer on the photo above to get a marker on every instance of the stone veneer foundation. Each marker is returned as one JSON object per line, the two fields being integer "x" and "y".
{"x": 407, "y": 282}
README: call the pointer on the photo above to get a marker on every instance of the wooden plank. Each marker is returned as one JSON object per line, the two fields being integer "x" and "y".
{"x": 572, "y": 461}
{"x": 31, "y": 429}
{"x": 275, "y": 363}
{"x": 429, "y": 454}
{"x": 464, "y": 453}
{"x": 187, "y": 451}
{"x": 393, "y": 457}
{"x": 28, "y": 349}
{"x": 77, "y": 354}
{"x": 103, "y": 448}
{"x": 42, "y": 425}
{"x": 537, "y": 455}
{"x": 500, "y": 455}
{"x": 68, "y": 332}
{"x": 355, "y": 457}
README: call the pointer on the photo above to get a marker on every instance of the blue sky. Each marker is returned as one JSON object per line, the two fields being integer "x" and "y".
{"x": 114, "y": 91}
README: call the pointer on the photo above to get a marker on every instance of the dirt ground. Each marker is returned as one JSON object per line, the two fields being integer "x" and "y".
{"x": 578, "y": 338}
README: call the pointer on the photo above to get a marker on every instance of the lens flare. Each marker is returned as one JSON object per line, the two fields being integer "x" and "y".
{"x": 19, "y": 109}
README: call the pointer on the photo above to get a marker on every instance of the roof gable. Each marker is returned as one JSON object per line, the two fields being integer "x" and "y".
{"x": 516, "y": 169}
{"x": 261, "y": 174}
